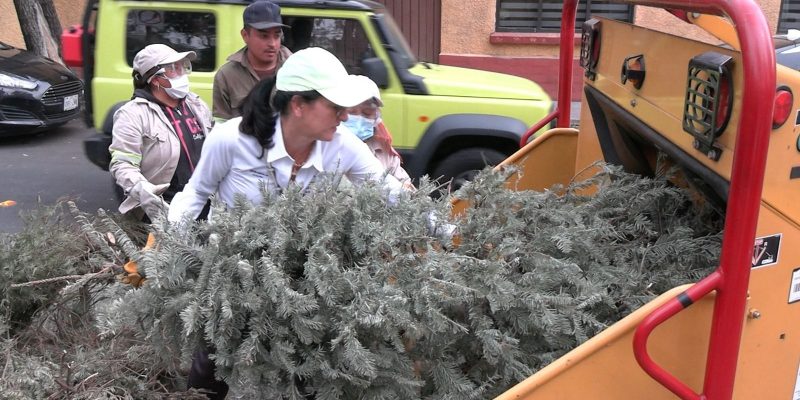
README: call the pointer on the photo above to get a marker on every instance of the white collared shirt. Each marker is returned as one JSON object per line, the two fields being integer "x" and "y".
{"x": 230, "y": 165}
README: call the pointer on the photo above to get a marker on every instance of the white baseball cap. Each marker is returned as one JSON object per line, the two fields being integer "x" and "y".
{"x": 370, "y": 89}
{"x": 315, "y": 68}
{"x": 153, "y": 55}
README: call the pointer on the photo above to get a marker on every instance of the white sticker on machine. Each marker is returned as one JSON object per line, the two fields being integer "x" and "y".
{"x": 794, "y": 287}
{"x": 796, "y": 395}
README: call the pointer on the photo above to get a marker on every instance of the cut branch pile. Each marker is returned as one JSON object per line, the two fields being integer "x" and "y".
{"x": 334, "y": 294}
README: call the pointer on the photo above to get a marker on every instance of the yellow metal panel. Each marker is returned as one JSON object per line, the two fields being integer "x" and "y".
{"x": 604, "y": 367}
{"x": 544, "y": 162}
{"x": 770, "y": 351}
{"x": 780, "y": 189}
{"x": 588, "y": 151}
{"x": 660, "y": 101}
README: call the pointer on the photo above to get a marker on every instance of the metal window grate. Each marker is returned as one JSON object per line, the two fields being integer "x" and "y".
{"x": 545, "y": 15}
{"x": 790, "y": 15}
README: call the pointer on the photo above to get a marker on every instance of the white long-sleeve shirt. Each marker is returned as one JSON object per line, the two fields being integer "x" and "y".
{"x": 230, "y": 164}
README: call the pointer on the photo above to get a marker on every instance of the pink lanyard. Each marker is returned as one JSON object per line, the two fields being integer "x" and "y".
{"x": 179, "y": 131}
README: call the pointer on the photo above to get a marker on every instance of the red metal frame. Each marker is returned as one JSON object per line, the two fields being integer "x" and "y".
{"x": 564, "y": 100}
{"x": 731, "y": 279}
{"x": 663, "y": 313}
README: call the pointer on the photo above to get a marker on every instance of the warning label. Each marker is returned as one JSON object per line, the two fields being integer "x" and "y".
{"x": 794, "y": 287}
{"x": 765, "y": 250}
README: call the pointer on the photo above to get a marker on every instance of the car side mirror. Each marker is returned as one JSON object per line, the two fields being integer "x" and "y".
{"x": 374, "y": 68}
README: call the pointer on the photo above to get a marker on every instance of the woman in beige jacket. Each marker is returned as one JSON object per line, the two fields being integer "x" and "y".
{"x": 158, "y": 134}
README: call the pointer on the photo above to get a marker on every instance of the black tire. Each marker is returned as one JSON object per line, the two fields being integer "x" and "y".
{"x": 461, "y": 166}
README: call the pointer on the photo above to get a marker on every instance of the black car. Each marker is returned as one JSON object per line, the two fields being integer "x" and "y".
{"x": 36, "y": 93}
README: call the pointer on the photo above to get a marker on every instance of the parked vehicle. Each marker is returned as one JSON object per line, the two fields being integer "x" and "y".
{"x": 36, "y": 93}
{"x": 787, "y": 49}
{"x": 446, "y": 121}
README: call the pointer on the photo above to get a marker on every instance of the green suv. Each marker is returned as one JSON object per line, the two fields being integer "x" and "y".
{"x": 446, "y": 121}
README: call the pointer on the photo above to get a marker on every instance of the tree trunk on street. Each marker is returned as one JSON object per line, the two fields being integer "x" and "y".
{"x": 40, "y": 27}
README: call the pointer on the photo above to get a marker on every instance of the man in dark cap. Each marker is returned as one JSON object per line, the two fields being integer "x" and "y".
{"x": 261, "y": 57}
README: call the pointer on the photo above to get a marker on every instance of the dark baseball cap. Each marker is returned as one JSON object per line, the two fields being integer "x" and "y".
{"x": 263, "y": 14}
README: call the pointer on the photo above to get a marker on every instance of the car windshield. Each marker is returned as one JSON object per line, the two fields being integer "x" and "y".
{"x": 396, "y": 40}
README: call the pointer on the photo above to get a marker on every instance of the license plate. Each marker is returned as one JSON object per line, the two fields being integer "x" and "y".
{"x": 71, "y": 102}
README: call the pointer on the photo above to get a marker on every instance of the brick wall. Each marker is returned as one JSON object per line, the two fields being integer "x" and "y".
{"x": 535, "y": 56}
{"x": 69, "y": 12}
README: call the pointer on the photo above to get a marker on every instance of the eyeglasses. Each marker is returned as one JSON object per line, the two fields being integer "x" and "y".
{"x": 366, "y": 109}
{"x": 176, "y": 69}
{"x": 339, "y": 110}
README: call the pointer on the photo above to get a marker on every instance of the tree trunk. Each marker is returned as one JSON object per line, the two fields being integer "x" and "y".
{"x": 40, "y": 27}
{"x": 51, "y": 16}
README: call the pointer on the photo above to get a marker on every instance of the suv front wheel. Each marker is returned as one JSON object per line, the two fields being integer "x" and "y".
{"x": 460, "y": 167}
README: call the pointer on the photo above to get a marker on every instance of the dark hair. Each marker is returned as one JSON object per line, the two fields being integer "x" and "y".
{"x": 281, "y": 99}
{"x": 259, "y": 116}
{"x": 141, "y": 81}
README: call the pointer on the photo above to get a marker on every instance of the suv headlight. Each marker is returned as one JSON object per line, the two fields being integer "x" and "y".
{"x": 17, "y": 83}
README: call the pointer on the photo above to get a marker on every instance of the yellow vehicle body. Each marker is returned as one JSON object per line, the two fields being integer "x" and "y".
{"x": 605, "y": 366}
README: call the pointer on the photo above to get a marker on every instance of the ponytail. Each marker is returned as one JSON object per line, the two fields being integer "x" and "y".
{"x": 258, "y": 117}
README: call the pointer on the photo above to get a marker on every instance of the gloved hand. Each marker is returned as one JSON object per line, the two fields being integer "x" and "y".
{"x": 442, "y": 230}
{"x": 149, "y": 198}
{"x": 132, "y": 275}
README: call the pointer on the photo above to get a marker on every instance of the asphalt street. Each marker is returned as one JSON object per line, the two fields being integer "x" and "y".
{"x": 45, "y": 167}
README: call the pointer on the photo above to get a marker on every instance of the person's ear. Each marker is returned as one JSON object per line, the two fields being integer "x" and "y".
{"x": 244, "y": 35}
{"x": 297, "y": 106}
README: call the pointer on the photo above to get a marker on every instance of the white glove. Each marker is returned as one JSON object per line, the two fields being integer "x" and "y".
{"x": 441, "y": 230}
{"x": 149, "y": 197}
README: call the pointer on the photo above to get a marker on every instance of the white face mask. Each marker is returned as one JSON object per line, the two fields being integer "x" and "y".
{"x": 180, "y": 87}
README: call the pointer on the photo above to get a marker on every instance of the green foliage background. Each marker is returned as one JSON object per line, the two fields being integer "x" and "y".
{"x": 336, "y": 294}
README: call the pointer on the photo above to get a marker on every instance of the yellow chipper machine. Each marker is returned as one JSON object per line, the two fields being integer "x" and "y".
{"x": 726, "y": 116}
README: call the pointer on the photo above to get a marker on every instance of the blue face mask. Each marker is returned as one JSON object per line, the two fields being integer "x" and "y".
{"x": 364, "y": 128}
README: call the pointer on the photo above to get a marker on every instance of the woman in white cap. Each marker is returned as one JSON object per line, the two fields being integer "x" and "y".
{"x": 286, "y": 136}
{"x": 158, "y": 134}
{"x": 364, "y": 120}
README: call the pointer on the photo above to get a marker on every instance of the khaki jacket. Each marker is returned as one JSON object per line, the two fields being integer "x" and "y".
{"x": 233, "y": 82}
{"x": 145, "y": 146}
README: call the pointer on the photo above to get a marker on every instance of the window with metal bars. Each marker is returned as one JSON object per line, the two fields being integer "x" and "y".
{"x": 790, "y": 16}
{"x": 545, "y": 15}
